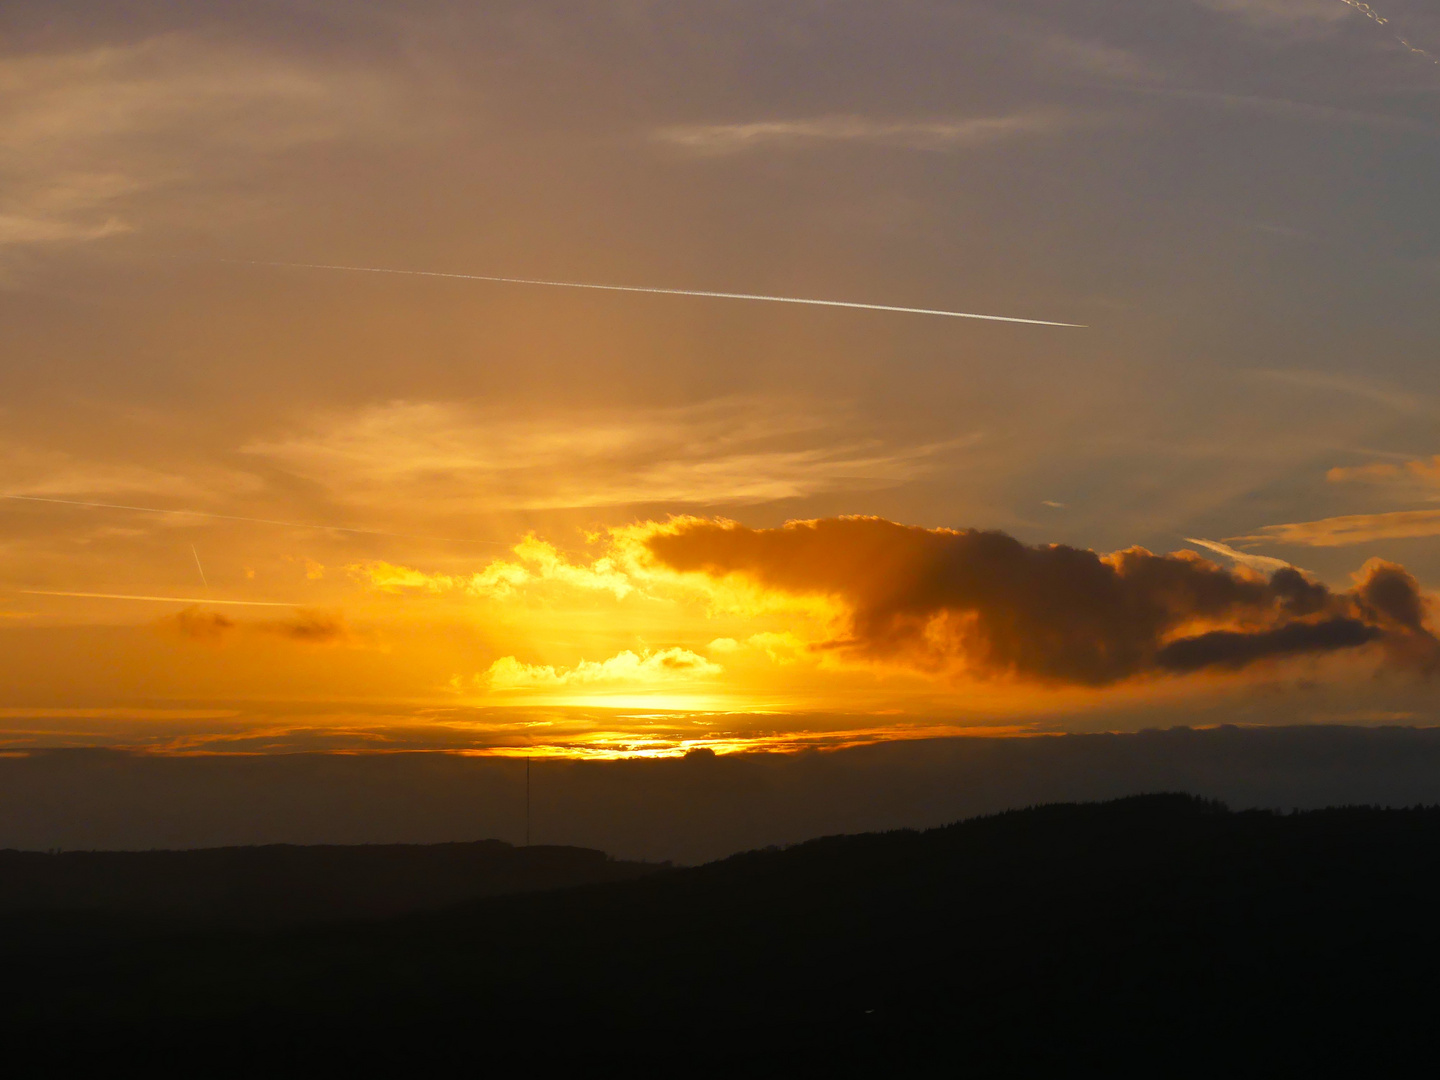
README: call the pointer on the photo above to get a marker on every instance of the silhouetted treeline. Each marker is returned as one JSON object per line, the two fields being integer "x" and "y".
{"x": 284, "y": 883}
{"x": 1158, "y": 932}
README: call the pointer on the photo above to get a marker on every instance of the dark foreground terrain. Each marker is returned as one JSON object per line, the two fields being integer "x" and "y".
{"x": 278, "y": 884}
{"x": 1161, "y": 933}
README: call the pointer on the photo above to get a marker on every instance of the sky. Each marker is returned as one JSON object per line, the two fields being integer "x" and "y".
{"x": 259, "y": 498}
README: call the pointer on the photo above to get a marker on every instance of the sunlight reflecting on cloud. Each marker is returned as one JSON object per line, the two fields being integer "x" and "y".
{"x": 672, "y": 665}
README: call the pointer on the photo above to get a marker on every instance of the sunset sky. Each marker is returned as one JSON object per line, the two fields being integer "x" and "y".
{"x": 254, "y": 501}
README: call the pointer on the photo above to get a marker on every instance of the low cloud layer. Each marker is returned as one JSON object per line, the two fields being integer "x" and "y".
{"x": 986, "y": 604}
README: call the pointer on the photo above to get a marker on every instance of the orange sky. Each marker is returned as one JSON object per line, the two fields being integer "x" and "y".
{"x": 323, "y": 509}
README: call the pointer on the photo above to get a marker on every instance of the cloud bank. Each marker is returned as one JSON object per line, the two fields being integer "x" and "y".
{"x": 985, "y": 604}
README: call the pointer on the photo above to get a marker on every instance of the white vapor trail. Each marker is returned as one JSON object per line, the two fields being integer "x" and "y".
{"x": 1264, "y": 563}
{"x": 662, "y": 292}
{"x": 236, "y": 517}
{"x": 1380, "y": 20}
{"x": 158, "y": 599}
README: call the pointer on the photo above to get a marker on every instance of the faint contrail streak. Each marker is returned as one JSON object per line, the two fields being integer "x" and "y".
{"x": 1380, "y": 20}
{"x": 199, "y": 567}
{"x": 236, "y": 517}
{"x": 662, "y": 292}
{"x": 159, "y": 599}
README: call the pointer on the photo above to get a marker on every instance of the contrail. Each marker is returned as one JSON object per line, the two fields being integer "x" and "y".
{"x": 236, "y": 517}
{"x": 661, "y": 292}
{"x": 200, "y": 568}
{"x": 1380, "y": 20}
{"x": 160, "y": 599}
{"x": 1264, "y": 563}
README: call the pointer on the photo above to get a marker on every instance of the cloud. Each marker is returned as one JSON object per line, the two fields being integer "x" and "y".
{"x": 85, "y": 135}
{"x": 728, "y": 451}
{"x": 197, "y": 624}
{"x": 985, "y": 604}
{"x": 666, "y": 666}
{"x": 1234, "y": 649}
{"x": 1421, "y": 472}
{"x": 945, "y": 134}
{"x": 1349, "y": 529}
{"x": 28, "y": 470}
{"x": 308, "y": 627}
{"x": 537, "y": 562}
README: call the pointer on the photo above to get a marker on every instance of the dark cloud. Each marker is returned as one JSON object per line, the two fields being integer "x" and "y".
{"x": 213, "y": 628}
{"x": 1235, "y": 649}
{"x": 313, "y": 627}
{"x": 1390, "y": 595}
{"x": 197, "y": 624}
{"x": 941, "y": 599}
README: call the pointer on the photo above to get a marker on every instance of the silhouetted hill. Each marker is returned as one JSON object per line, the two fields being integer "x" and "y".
{"x": 283, "y": 883}
{"x": 1159, "y": 932}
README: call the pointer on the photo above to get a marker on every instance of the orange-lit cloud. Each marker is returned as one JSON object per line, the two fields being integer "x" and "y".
{"x": 1422, "y": 471}
{"x": 536, "y": 562}
{"x": 984, "y": 604}
{"x": 645, "y": 669}
{"x": 1350, "y": 529}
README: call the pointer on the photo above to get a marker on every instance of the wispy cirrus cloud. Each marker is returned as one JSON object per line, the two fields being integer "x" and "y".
{"x": 38, "y": 471}
{"x": 1349, "y": 529}
{"x": 1416, "y": 473}
{"x": 731, "y": 451}
{"x": 86, "y": 135}
{"x": 934, "y": 134}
